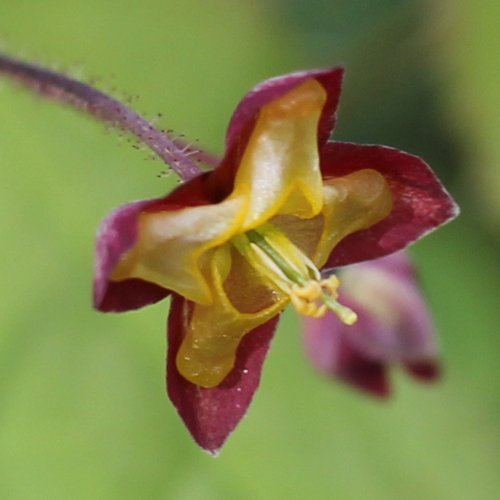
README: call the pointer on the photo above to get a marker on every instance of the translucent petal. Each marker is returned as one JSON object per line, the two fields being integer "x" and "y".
{"x": 173, "y": 248}
{"x": 279, "y": 172}
{"x": 213, "y": 332}
{"x": 351, "y": 203}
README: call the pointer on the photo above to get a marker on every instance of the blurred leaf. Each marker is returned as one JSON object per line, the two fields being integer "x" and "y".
{"x": 469, "y": 58}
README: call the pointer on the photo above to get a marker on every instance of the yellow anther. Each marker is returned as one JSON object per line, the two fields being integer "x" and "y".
{"x": 310, "y": 291}
{"x": 306, "y": 299}
{"x": 311, "y": 309}
{"x": 303, "y": 306}
{"x": 299, "y": 303}
{"x": 331, "y": 285}
{"x": 320, "y": 311}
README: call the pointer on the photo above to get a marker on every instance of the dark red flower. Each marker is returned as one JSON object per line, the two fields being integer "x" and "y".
{"x": 236, "y": 244}
{"x": 394, "y": 328}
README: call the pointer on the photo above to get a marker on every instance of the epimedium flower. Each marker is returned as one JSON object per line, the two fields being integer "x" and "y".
{"x": 234, "y": 245}
{"x": 394, "y": 328}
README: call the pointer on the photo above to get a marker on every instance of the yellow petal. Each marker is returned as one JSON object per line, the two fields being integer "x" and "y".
{"x": 213, "y": 332}
{"x": 351, "y": 203}
{"x": 173, "y": 248}
{"x": 279, "y": 172}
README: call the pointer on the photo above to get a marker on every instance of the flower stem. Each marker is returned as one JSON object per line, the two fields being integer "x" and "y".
{"x": 67, "y": 90}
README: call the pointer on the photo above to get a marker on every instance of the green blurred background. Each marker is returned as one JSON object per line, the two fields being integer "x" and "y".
{"x": 83, "y": 413}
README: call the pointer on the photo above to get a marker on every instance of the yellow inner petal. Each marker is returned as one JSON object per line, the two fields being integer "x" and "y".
{"x": 351, "y": 203}
{"x": 279, "y": 172}
{"x": 213, "y": 332}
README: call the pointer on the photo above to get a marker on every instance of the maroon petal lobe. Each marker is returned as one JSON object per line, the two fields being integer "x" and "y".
{"x": 195, "y": 192}
{"x": 420, "y": 202}
{"x": 425, "y": 371}
{"x": 212, "y": 414}
{"x": 395, "y": 324}
{"x": 116, "y": 235}
{"x": 397, "y": 265}
{"x": 363, "y": 373}
{"x": 329, "y": 348}
{"x": 121, "y": 296}
{"x": 264, "y": 92}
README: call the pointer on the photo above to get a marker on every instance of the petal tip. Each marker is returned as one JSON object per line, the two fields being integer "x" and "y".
{"x": 212, "y": 414}
{"x": 425, "y": 371}
{"x": 213, "y": 453}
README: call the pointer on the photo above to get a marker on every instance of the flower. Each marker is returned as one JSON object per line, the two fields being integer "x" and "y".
{"x": 234, "y": 245}
{"x": 394, "y": 327}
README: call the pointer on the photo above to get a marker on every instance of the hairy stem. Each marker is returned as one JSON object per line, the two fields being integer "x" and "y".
{"x": 64, "y": 89}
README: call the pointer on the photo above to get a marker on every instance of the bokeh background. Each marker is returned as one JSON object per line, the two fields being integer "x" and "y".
{"x": 83, "y": 411}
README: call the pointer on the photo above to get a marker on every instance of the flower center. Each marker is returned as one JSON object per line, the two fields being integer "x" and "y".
{"x": 289, "y": 269}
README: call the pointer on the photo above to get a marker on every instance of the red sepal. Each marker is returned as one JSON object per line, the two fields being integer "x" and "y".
{"x": 332, "y": 353}
{"x": 116, "y": 235}
{"x": 425, "y": 371}
{"x": 420, "y": 202}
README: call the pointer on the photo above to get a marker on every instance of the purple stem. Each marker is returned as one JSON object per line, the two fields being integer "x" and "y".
{"x": 209, "y": 159}
{"x": 103, "y": 107}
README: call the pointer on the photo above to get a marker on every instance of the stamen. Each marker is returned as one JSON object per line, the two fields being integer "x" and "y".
{"x": 288, "y": 269}
{"x": 278, "y": 275}
{"x": 309, "y": 294}
{"x": 314, "y": 298}
{"x": 346, "y": 315}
